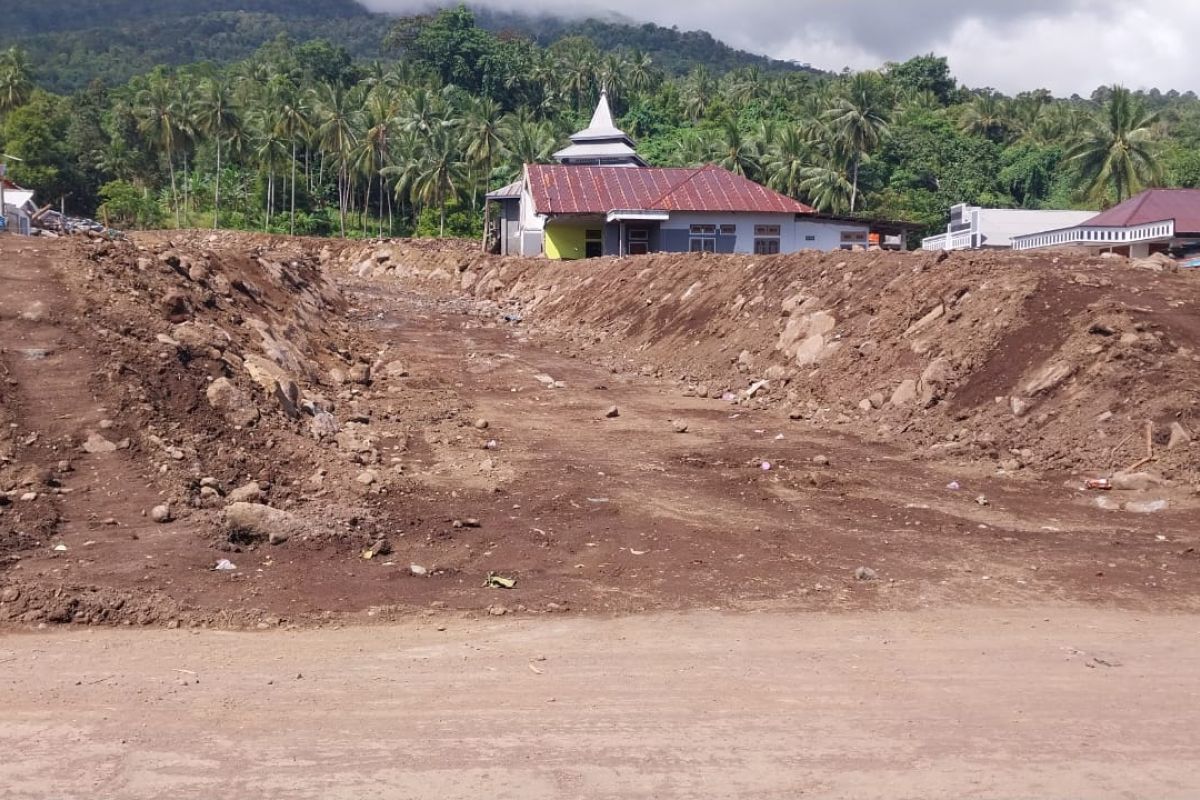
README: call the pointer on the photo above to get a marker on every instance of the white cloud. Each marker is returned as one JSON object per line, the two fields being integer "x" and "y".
{"x": 1067, "y": 46}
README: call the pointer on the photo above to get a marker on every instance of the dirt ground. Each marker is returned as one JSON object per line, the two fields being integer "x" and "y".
{"x": 779, "y": 528}
{"x": 666, "y": 506}
{"x": 1042, "y": 701}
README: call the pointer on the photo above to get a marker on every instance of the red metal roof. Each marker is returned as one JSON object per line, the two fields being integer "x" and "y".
{"x": 572, "y": 189}
{"x": 1155, "y": 205}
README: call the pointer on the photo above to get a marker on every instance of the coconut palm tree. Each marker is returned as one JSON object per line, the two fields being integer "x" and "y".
{"x": 337, "y": 131}
{"x": 789, "y": 157}
{"x": 217, "y": 118}
{"x": 987, "y": 115}
{"x": 736, "y": 151}
{"x": 159, "y": 120}
{"x": 1116, "y": 151}
{"x": 16, "y": 80}
{"x": 294, "y": 124}
{"x": 860, "y": 118}
{"x": 525, "y": 141}
{"x": 437, "y": 173}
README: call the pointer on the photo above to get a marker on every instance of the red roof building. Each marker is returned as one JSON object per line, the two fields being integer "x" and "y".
{"x": 601, "y": 199}
{"x": 1155, "y": 221}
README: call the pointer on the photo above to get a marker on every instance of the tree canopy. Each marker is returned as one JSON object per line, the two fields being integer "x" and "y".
{"x": 307, "y": 136}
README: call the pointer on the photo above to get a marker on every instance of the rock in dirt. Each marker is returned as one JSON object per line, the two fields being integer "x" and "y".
{"x": 679, "y": 427}
{"x": 1180, "y": 437}
{"x": 368, "y": 478}
{"x": 161, "y": 514}
{"x": 1049, "y": 378}
{"x": 98, "y": 444}
{"x": 360, "y": 374}
{"x": 258, "y": 522}
{"x": 232, "y": 403}
{"x": 612, "y": 413}
{"x": 482, "y": 424}
{"x": 323, "y": 425}
{"x": 250, "y": 493}
{"x": 865, "y": 574}
{"x": 905, "y": 393}
{"x": 1136, "y": 481}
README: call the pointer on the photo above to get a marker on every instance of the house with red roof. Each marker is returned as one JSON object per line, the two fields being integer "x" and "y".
{"x": 601, "y": 199}
{"x": 1155, "y": 221}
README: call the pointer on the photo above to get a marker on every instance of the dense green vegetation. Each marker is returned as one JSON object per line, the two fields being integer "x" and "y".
{"x": 304, "y": 137}
{"x": 70, "y": 43}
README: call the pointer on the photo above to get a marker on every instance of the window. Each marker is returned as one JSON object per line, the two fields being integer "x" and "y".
{"x": 766, "y": 240}
{"x": 703, "y": 239}
{"x": 593, "y": 244}
{"x": 639, "y": 241}
{"x": 766, "y": 247}
{"x": 729, "y": 230}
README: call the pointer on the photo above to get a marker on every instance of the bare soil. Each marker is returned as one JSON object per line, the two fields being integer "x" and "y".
{"x": 669, "y": 505}
{"x": 1042, "y": 701}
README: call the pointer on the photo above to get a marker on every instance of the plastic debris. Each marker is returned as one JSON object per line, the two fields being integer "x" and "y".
{"x": 954, "y": 486}
{"x": 60, "y": 548}
{"x": 766, "y": 466}
{"x": 225, "y": 565}
{"x": 495, "y": 581}
{"x": 1099, "y": 484}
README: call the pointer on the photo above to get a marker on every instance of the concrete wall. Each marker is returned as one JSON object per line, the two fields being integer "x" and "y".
{"x": 793, "y": 235}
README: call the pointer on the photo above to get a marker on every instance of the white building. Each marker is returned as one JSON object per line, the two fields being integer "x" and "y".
{"x": 975, "y": 228}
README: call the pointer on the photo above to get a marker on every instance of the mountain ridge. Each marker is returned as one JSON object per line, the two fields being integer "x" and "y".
{"x": 73, "y": 42}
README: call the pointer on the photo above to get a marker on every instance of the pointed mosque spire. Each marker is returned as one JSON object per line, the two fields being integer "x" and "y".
{"x": 602, "y": 126}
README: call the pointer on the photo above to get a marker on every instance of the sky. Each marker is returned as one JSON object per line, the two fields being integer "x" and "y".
{"x": 1066, "y": 46}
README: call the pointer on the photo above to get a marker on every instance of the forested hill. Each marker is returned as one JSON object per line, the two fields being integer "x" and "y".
{"x": 72, "y": 42}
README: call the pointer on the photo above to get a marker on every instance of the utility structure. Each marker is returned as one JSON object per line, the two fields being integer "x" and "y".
{"x": 4, "y": 159}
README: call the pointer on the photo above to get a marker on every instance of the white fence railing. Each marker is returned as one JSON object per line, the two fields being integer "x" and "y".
{"x": 1096, "y": 236}
{"x": 948, "y": 241}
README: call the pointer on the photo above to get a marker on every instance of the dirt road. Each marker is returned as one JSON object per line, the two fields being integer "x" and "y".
{"x": 1044, "y": 702}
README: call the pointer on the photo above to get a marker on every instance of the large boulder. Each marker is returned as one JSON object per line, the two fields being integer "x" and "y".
{"x": 232, "y": 403}
{"x": 256, "y": 523}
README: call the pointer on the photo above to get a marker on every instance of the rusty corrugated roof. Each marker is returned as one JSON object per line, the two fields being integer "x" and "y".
{"x": 571, "y": 189}
{"x": 1155, "y": 205}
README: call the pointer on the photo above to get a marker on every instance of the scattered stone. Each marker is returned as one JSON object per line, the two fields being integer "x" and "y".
{"x": 1136, "y": 481}
{"x": 821, "y": 461}
{"x": 865, "y": 574}
{"x": 1049, "y": 378}
{"x": 29, "y": 497}
{"x": 497, "y": 611}
{"x": 905, "y": 393}
{"x": 418, "y": 570}
{"x": 96, "y": 443}
{"x": 612, "y": 413}
{"x": 368, "y": 478}
{"x": 1180, "y": 437}
{"x": 161, "y": 514}
{"x": 680, "y": 427}
{"x": 232, "y": 403}
{"x": 360, "y": 373}
{"x": 1018, "y": 406}
{"x": 482, "y": 424}
{"x": 258, "y": 522}
{"x": 396, "y": 369}
{"x": 250, "y": 493}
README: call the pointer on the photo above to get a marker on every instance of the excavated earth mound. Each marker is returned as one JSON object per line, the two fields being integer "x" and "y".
{"x": 1050, "y": 361}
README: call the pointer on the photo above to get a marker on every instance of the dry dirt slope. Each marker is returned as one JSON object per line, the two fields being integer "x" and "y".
{"x": 1048, "y": 361}
{"x": 380, "y": 444}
